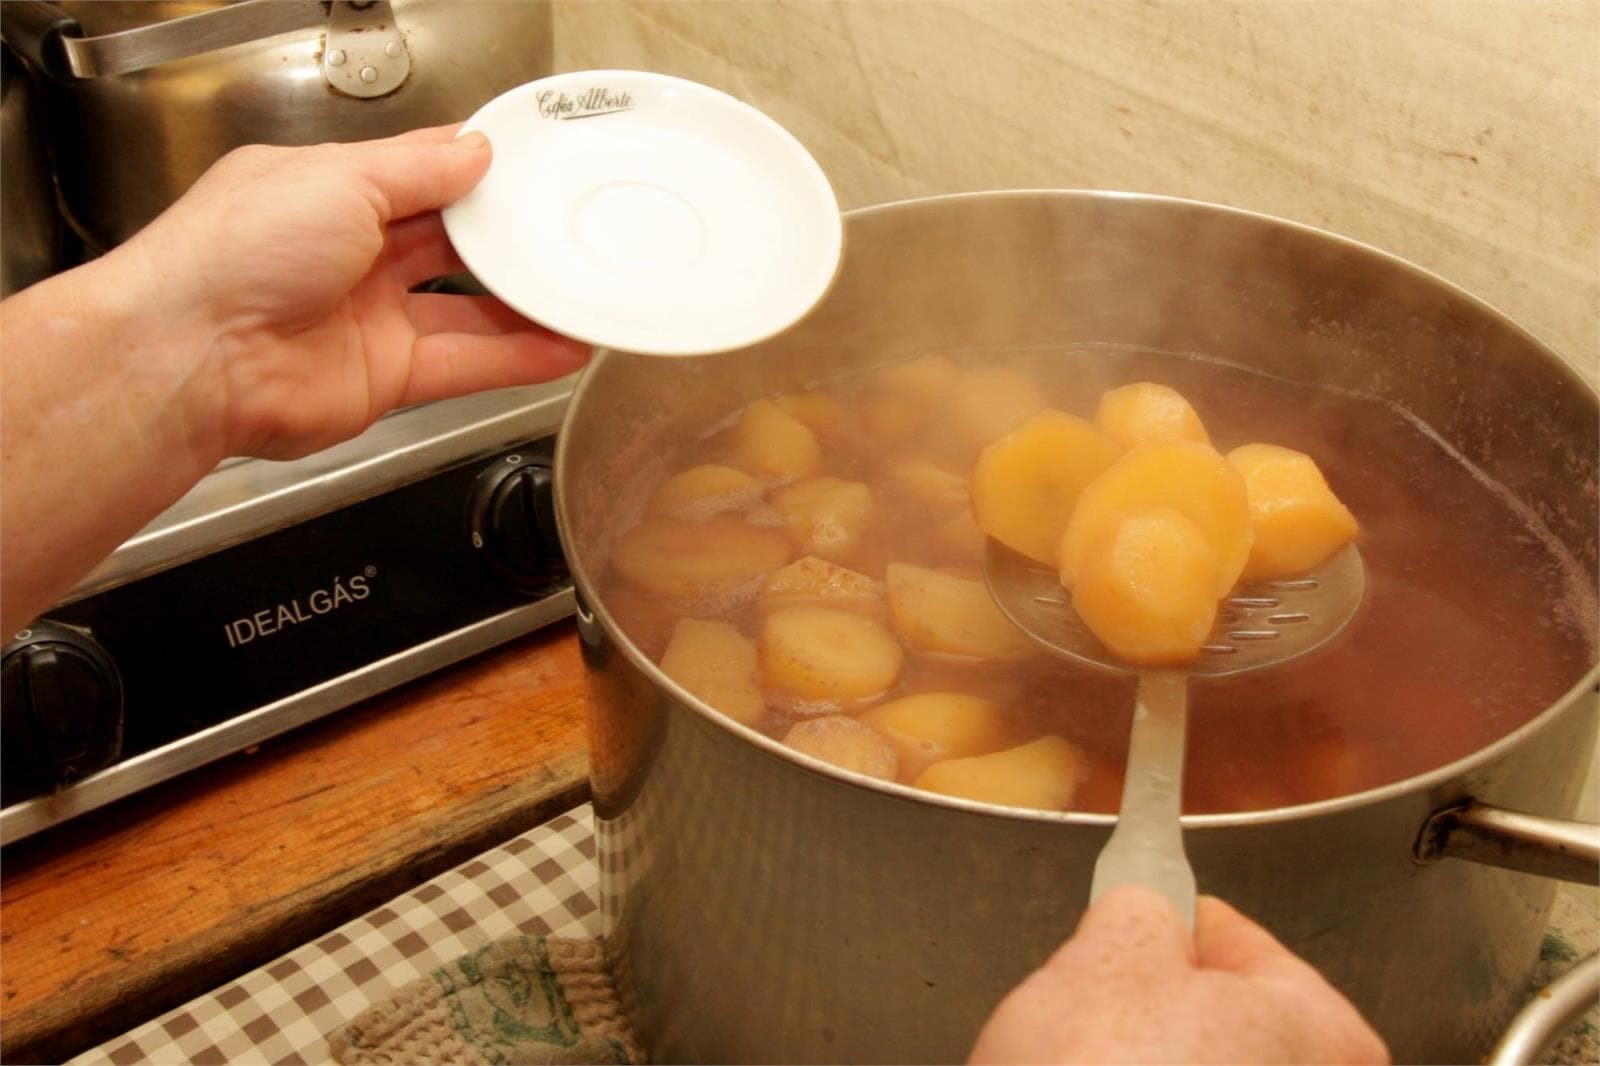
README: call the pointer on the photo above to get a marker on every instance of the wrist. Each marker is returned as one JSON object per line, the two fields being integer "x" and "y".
{"x": 153, "y": 328}
{"x": 97, "y": 434}
{"x": 107, "y": 381}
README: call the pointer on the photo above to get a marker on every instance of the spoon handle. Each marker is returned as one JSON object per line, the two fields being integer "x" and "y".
{"x": 1146, "y": 847}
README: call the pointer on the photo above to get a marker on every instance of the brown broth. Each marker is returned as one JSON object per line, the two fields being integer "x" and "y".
{"x": 1475, "y": 619}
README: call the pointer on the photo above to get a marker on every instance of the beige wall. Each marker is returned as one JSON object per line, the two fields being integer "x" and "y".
{"x": 1461, "y": 135}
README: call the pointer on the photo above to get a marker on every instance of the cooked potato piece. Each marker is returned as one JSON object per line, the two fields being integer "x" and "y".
{"x": 941, "y": 491}
{"x": 1215, "y": 789}
{"x": 1299, "y": 523}
{"x": 771, "y": 442}
{"x": 1148, "y": 413}
{"x": 926, "y": 379}
{"x": 944, "y": 614}
{"x": 820, "y": 658}
{"x": 701, "y": 491}
{"x": 820, "y": 412}
{"x": 991, "y": 401}
{"x": 647, "y": 619}
{"x": 1187, "y": 477}
{"x": 1328, "y": 765}
{"x": 716, "y": 662}
{"x": 689, "y": 563}
{"x": 1026, "y": 484}
{"x": 889, "y": 418}
{"x": 899, "y": 398}
{"x": 1042, "y": 773}
{"x": 1100, "y": 787}
{"x": 1148, "y": 588}
{"x": 824, "y": 515}
{"x": 846, "y": 743}
{"x": 814, "y": 581}
{"x": 960, "y": 533}
{"x": 932, "y": 726}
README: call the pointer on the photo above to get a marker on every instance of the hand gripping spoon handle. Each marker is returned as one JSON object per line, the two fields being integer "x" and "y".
{"x": 1258, "y": 627}
{"x": 1146, "y": 847}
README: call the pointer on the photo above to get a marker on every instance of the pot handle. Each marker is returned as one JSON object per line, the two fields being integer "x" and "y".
{"x": 1548, "y": 847}
{"x": 1496, "y": 836}
{"x": 34, "y": 30}
{"x": 52, "y": 40}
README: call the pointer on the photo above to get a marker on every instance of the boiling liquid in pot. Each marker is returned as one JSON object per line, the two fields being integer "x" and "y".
{"x": 1475, "y": 619}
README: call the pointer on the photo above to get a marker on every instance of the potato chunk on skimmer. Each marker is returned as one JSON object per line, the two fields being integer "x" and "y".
{"x": 1299, "y": 523}
{"x": 1193, "y": 479}
{"x": 1026, "y": 484}
{"x": 1147, "y": 413}
{"x": 1148, "y": 589}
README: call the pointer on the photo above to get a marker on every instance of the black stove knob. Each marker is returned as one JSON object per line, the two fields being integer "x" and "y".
{"x": 512, "y": 520}
{"x": 60, "y": 709}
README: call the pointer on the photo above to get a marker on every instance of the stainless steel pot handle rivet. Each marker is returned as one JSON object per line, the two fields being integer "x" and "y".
{"x": 365, "y": 53}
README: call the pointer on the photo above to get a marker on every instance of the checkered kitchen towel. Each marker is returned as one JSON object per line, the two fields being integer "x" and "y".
{"x": 521, "y": 1000}
{"x": 506, "y": 946}
{"x": 541, "y": 887}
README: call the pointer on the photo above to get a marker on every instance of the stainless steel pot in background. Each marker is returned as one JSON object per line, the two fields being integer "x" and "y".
{"x": 33, "y": 243}
{"x": 765, "y": 909}
{"x": 144, "y": 96}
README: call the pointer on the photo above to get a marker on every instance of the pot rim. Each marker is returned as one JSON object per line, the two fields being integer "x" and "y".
{"x": 1427, "y": 781}
{"x": 1568, "y": 366}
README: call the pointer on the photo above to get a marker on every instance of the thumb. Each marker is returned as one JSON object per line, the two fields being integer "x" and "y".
{"x": 413, "y": 175}
{"x": 1227, "y": 940}
{"x": 1132, "y": 929}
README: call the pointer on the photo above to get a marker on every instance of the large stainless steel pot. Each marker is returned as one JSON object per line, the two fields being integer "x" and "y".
{"x": 32, "y": 239}
{"x": 146, "y": 95}
{"x": 765, "y": 909}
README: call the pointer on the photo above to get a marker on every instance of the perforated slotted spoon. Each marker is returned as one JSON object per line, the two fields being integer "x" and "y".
{"x": 1259, "y": 626}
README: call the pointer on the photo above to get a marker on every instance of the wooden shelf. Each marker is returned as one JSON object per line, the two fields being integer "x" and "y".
{"x": 129, "y": 911}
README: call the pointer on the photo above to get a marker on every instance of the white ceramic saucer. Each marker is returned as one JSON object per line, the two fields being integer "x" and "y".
{"x": 646, "y": 213}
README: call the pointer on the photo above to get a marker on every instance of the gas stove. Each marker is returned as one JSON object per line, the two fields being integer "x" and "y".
{"x": 275, "y": 593}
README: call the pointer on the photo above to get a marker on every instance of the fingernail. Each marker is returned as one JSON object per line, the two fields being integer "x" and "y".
{"x": 473, "y": 141}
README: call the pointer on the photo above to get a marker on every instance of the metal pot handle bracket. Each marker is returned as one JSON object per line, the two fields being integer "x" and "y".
{"x": 364, "y": 54}
{"x": 1548, "y": 847}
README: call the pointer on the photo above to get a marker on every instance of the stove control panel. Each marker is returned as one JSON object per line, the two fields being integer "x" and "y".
{"x": 132, "y": 685}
